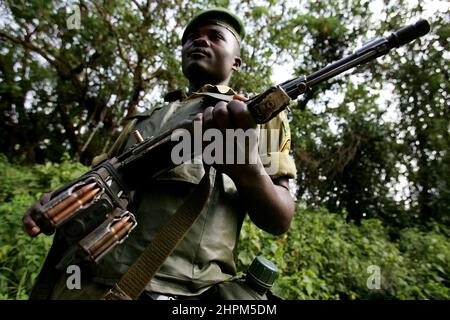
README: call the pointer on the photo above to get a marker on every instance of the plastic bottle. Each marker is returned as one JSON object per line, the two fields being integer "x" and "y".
{"x": 261, "y": 275}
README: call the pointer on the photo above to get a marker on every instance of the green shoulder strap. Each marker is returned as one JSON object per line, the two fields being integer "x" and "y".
{"x": 134, "y": 281}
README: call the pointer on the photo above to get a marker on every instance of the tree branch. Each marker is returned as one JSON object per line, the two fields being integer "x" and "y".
{"x": 113, "y": 30}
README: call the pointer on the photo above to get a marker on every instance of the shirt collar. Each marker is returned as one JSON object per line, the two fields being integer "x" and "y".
{"x": 207, "y": 88}
{"x": 175, "y": 96}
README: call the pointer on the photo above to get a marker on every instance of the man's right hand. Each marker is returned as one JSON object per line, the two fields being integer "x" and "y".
{"x": 29, "y": 224}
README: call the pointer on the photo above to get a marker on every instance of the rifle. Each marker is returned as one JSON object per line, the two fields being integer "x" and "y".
{"x": 92, "y": 211}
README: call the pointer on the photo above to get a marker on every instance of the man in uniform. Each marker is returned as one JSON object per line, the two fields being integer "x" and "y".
{"x": 205, "y": 257}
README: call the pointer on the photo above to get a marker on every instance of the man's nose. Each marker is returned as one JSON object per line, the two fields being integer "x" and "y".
{"x": 201, "y": 40}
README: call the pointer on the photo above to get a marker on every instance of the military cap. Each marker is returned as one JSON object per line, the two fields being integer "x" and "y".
{"x": 220, "y": 16}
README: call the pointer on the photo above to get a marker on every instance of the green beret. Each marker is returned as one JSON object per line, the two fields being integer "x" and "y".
{"x": 219, "y": 16}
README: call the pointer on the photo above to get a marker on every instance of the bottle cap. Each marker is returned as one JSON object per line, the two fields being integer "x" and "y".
{"x": 262, "y": 273}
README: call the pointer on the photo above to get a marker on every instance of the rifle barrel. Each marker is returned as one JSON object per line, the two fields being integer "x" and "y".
{"x": 368, "y": 52}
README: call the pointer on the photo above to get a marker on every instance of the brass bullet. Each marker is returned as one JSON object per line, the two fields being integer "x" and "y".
{"x": 115, "y": 238}
{"x": 70, "y": 200}
{"x": 138, "y": 136}
{"x": 113, "y": 230}
{"x": 68, "y": 212}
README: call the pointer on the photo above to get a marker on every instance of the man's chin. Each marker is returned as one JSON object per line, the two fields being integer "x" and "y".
{"x": 197, "y": 70}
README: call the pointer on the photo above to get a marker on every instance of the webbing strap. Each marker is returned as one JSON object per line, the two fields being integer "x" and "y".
{"x": 134, "y": 281}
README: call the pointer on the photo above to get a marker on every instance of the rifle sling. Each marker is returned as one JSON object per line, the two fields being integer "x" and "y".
{"x": 133, "y": 282}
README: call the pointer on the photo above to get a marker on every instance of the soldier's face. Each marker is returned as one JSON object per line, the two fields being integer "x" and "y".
{"x": 210, "y": 53}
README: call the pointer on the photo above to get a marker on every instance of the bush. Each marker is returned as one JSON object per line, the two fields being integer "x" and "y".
{"x": 323, "y": 256}
{"x": 428, "y": 256}
{"x": 21, "y": 256}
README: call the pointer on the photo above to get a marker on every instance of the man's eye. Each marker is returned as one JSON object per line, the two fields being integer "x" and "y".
{"x": 192, "y": 36}
{"x": 217, "y": 36}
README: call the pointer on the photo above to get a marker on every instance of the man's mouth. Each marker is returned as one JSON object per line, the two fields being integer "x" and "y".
{"x": 199, "y": 53}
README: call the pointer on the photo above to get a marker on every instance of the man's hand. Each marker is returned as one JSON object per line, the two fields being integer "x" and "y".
{"x": 29, "y": 224}
{"x": 233, "y": 116}
{"x": 269, "y": 203}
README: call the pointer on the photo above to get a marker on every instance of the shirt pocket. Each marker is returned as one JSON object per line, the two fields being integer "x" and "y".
{"x": 191, "y": 172}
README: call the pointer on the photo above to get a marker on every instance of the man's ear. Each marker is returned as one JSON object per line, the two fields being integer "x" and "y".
{"x": 237, "y": 63}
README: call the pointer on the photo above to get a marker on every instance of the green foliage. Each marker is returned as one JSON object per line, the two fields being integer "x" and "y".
{"x": 384, "y": 159}
{"x": 424, "y": 136}
{"x": 323, "y": 256}
{"x": 428, "y": 255}
{"x": 21, "y": 256}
